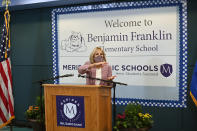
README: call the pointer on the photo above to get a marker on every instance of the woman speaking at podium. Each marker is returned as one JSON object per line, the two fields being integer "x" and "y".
{"x": 97, "y": 67}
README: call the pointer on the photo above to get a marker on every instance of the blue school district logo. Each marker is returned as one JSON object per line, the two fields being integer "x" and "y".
{"x": 70, "y": 111}
{"x": 166, "y": 70}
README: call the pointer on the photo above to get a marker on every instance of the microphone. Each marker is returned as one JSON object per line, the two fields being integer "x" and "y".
{"x": 79, "y": 75}
{"x": 108, "y": 81}
{"x": 66, "y": 75}
{"x": 84, "y": 76}
{"x": 53, "y": 78}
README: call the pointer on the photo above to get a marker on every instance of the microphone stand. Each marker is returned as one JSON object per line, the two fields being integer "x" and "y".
{"x": 114, "y": 91}
{"x": 42, "y": 82}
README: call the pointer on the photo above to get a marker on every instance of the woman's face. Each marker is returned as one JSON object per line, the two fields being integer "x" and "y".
{"x": 98, "y": 53}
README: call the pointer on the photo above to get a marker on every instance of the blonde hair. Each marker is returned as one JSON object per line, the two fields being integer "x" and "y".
{"x": 93, "y": 54}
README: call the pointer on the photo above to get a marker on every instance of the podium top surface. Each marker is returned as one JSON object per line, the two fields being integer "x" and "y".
{"x": 79, "y": 86}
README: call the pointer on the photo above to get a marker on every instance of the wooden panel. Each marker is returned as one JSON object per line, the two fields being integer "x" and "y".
{"x": 97, "y": 104}
{"x": 105, "y": 108}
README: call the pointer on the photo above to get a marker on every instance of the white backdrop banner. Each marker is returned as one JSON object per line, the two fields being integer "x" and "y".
{"x": 145, "y": 43}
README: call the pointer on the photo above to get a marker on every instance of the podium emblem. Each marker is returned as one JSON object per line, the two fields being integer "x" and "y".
{"x": 70, "y": 111}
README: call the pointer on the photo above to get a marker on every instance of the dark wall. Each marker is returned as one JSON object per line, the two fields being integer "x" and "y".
{"x": 31, "y": 55}
{"x": 32, "y": 61}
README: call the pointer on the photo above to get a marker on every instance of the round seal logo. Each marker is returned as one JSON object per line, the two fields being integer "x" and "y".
{"x": 70, "y": 111}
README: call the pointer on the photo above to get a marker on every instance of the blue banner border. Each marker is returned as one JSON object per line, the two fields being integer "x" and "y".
{"x": 182, "y": 4}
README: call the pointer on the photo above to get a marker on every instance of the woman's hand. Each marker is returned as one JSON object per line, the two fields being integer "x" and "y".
{"x": 111, "y": 78}
{"x": 99, "y": 64}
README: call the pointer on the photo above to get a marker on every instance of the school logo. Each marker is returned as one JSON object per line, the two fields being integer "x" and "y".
{"x": 166, "y": 70}
{"x": 74, "y": 43}
{"x": 70, "y": 111}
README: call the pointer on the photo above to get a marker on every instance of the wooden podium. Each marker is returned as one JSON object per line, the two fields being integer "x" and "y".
{"x": 97, "y": 106}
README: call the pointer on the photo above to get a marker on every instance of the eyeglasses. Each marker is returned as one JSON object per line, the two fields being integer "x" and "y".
{"x": 99, "y": 54}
